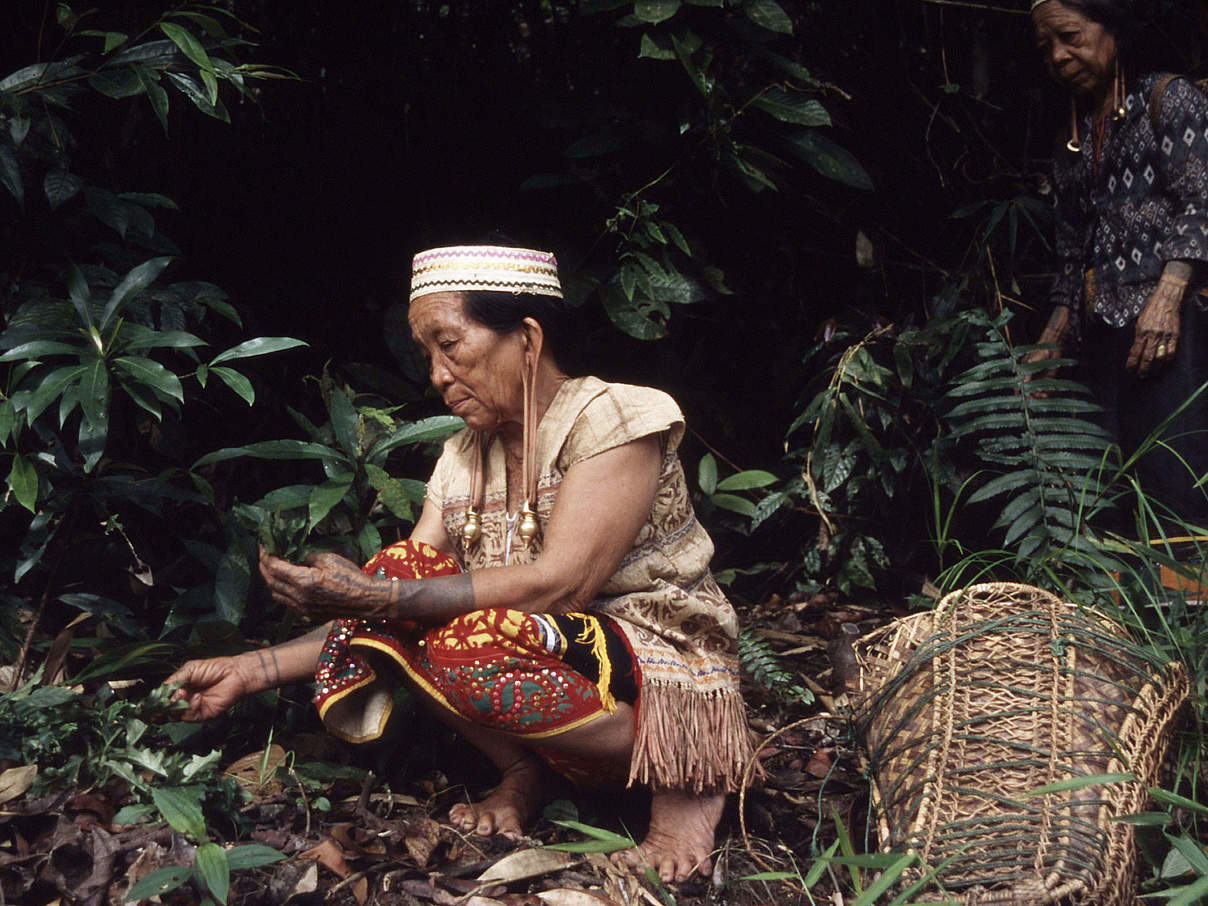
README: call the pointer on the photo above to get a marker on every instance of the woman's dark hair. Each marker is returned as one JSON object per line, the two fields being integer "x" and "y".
{"x": 504, "y": 312}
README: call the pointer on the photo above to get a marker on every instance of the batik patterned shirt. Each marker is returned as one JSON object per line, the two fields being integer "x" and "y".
{"x": 1144, "y": 203}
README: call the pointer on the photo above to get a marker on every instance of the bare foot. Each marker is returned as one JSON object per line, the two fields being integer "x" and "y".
{"x": 507, "y": 808}
{"x": 680, "y": 839}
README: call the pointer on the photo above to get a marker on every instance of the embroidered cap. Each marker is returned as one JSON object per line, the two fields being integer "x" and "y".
{"x": 495, "y": 268}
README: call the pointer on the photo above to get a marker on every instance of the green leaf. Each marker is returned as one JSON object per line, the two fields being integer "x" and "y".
{"x": 196, "y": 93}
{"x": 769, "y": 14}
{"x": 887, "y": 879}
{"x": 18, "y": 128}
{"x": 1168, "y": 798}
{"x": 649, "y": 49}
{"x": 744, "y": 481}
{"x": 1145, "y": 819}
{"x": 602, "y": 840}
{"x": 257, "y": 346}
{"x": 252, "y": 855}
{"x": 369, "y": 540}
{"x": 237, "y": 382}
{"x": 50, "y": 389}
{"x": 212, "y": 866}
{"x": 630, "y": 316}
{"x": 1192, "y": 893}
{"x": 232, "y": 579}
{"x": 436, "y": 427}
{"x": 326, "y": 496}
{"x": 831, "y": 160}
{"x": 136, "y": 337}
{"x": 108, "y": 209}
{"x": 36, "y": 349}
{"x": 276, "y": 449}
{"x": 343, "y": 420}
{"x": 10, "y": 175}
{"x": 117, "y": 83}
{"x": 23, "y": 480}
{"x": 61, "y": 186}
{"x": 181, "y": 808}
{"x": 8, "y": 421}
{"x": 738, "y": 505}
{"x": 791, "y": 107}
{"x": 138, "y": 279}
{"x": 150, "y": 373}
{"x": 655, "y": 11}
{"x": 157, "y": 96}
{"x": 188, "y": 44}
{"x": 390, "y": 490}
{"x": 1078, "y": 783}
{"x": 160, "y": 881}
{"x": 114, "y": 40}
{"x": 94, "y": 391}
{"x": 706, "y": 473}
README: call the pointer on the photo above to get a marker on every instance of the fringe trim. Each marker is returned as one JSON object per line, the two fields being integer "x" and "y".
{"x": 690, "y": 740}
{"x": 593, "y": 634}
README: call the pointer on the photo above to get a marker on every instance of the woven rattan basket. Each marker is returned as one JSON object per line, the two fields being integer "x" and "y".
{"x": 1001, "y": 690}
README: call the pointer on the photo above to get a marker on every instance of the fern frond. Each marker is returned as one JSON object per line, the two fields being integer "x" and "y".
{"x": 1044, "y": 448}
{"x": 762, "y": 664}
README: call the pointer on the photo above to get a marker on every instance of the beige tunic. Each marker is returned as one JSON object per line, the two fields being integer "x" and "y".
{"x": 692, "y": 731}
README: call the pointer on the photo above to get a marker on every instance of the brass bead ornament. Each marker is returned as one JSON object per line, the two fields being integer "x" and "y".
{"x": 471, "y": 529}
{"x": 527, "y": 530}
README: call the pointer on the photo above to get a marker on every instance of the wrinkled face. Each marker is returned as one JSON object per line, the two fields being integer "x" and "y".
{"x": 475, "y": 370}
{"x": 1078, "y": 53}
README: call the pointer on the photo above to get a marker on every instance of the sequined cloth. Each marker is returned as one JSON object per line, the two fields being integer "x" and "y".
{"x": 532, "y": 676}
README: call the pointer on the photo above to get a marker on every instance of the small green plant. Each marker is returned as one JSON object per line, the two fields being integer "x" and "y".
{"x": 211, "y": 871}
{"x": 762, "y": 664}
{"x": 358, "y": 498}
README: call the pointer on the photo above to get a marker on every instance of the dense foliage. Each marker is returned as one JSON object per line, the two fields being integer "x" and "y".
{"x": 823, "y": 226}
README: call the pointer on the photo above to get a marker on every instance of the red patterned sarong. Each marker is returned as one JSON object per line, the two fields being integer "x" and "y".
{"x": 528, "y": 675}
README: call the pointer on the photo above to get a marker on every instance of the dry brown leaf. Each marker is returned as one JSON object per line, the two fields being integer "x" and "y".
{"x": 422, "y": 837}
{"x": 329, "y": 855}
{"x": 15, "y": 781}
{"x": 566, "y": 896}
{"x": 257, "y": 772}
{"x": 526, "y": 863}
{"x": 293, "y": 879}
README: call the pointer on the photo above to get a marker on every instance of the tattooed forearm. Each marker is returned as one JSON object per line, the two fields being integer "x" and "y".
{"x": 434, "y": 600}
{"x": 264, "y": 667}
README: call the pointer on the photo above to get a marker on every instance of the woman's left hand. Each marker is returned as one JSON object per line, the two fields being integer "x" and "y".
{"x": 326, "y": 587}
{"x": 1156, "y": 334}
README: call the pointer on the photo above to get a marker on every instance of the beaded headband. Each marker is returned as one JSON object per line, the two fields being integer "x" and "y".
{"x": 494, "y": 268}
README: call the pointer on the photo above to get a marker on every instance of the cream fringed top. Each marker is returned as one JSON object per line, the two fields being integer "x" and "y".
{"x": 692, "y": 732}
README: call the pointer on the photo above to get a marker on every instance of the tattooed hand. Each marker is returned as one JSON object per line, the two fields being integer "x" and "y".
{"x": 211, "y": 686}
{"x": 327, "y": 586}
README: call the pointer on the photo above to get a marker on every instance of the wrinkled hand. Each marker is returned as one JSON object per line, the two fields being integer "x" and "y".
{"x": 1156, "y": 337}
{"x": 208, "y": 687}
{"x": 327, "y": 587}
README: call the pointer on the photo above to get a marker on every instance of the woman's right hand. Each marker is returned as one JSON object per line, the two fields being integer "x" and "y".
{"x": 208, "y": 687}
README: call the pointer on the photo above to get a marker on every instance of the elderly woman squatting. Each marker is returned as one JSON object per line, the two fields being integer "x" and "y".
{"x": 585, "y": 628}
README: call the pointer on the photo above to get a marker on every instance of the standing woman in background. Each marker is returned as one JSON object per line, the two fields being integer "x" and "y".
{"x": 1131, "y": 182}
